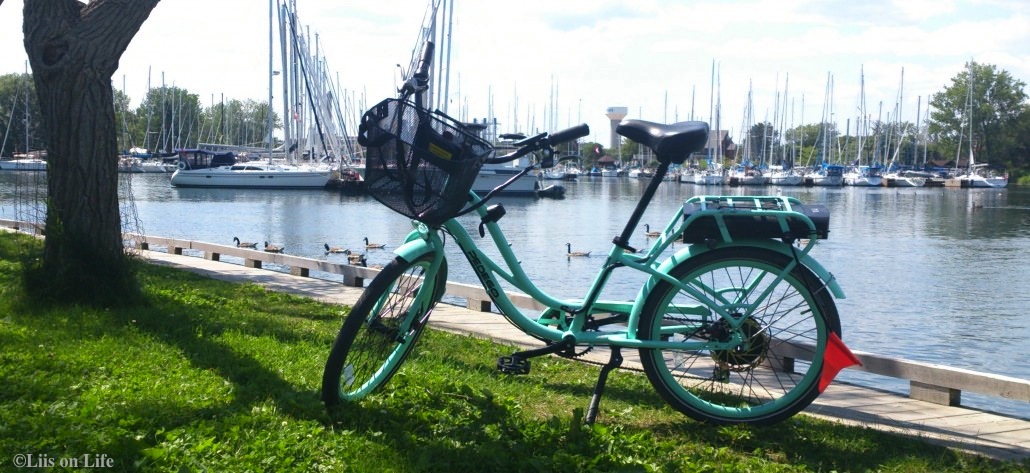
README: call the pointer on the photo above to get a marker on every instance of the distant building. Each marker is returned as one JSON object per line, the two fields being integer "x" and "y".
{"x": 616, "y": 114}
{"x": 719, "y": 145}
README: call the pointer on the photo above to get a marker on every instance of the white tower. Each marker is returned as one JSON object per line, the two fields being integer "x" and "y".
{"x": 616, "y": 114}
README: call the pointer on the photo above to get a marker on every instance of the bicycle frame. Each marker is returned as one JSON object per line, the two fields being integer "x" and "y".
{"x": 552, "y": 324}
{"x": 705, "y": 318}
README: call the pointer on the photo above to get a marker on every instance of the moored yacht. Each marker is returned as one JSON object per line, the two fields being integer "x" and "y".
{"x": 977, "y": 177}
{"x": 785, "y": 177}
{"x": 493, "y": 175}
{"x": 200, "y": 168}
{"x": 831, "y": 175}
{"x": 904, "y": 179}
{"x": 23, "y": 164}
{"x": 863, "y": 176}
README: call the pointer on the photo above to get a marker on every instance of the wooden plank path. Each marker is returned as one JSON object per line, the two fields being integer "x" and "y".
{"x": 989, "y": 434}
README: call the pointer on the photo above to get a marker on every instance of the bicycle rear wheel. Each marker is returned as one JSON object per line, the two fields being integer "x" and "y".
{"x": 780, "y": 329}
{"x": 381, "y": 329}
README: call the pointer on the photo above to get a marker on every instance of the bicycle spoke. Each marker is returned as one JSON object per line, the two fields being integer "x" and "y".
{"x": 740, "y": 375}
{"x": 381, "y": 330}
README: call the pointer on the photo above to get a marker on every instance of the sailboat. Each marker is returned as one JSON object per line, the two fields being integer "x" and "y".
{"x": 824, "y": 173}
{"x": 29, "y": 160}
{"x": 975, "y": 175}
{"x": 748, "y": 173}
{"x": 250, "y": 174}
{"x": 897, "y": 177}
{"x": 860, "y": 175}
{"x": 784, "y": 173}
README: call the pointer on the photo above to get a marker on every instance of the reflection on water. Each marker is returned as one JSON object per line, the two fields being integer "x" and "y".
{"x": 932, "y": 274}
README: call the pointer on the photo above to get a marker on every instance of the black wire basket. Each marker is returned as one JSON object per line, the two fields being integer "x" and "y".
{"x": 418, "y": 163}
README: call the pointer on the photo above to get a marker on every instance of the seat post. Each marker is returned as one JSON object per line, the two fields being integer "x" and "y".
{"x": 622, "y": 241}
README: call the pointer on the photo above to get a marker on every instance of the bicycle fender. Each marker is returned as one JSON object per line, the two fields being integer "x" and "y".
{"x": 414, "y": 246}
{"x": 806, "y": 260}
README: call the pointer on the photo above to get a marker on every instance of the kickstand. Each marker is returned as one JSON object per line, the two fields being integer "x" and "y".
{"x": 613, "y": 362}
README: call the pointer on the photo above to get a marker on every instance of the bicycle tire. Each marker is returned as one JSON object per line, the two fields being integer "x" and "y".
{"x": 740, "y": 385}
{"x": 370, "y": 348}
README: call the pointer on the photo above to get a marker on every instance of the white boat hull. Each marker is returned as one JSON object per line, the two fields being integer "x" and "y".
{"x": 996, "y": 182}
{"x": 488, "y": 179}
{"x": 829, "y": 181}
{"x": 703, "y": 178}
{"x": 977, "y": 182}
{"x": 134, "y": 165}
{"x": 711, "y": 179}
{"x": 23, "y": 165}
{"x": 786, "y": 179}
{"x": 905, "y": 181}
{"x": 749, "y": 180}
{"x": 863, "y": 181}
{"x": 252, "y": 176}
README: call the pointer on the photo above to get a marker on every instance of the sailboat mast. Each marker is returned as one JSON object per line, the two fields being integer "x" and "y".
{"x": 164, "y": 105}
{"x": 926, "y": 133}
{"x": 447, "y": 63}
{"x": 27, "y": 147}
{"x": 271, "y": 9}
{"x": 919, "y": 111}
{"x": 284, "y": 52}
{"x": 150, "y": 113}
{"x": 969, "y": 108}
{"x": 859, "y": 128}
{"x": 718, "y": 115}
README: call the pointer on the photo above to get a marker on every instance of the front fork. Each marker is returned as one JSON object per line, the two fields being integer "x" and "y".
{"x": 420, "y": 242}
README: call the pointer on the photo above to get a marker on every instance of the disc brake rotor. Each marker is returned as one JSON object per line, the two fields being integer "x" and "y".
{"x": 749, "y": 354}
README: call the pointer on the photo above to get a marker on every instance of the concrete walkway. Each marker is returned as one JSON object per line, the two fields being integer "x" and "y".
{"x": 985, "y": 433}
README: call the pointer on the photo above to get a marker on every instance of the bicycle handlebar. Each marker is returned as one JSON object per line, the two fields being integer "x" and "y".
{"x": 426, "y": 61}
{"x": 542, "y": 141}
{"x": 420, "y": 79}
{"x": 570, "y": 134}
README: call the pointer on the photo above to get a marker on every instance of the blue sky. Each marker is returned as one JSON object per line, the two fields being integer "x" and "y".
{"x": 654, "y": 57}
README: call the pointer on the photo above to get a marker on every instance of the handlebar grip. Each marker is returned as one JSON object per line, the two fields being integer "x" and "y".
{"x": 427, "y": 60}
{"x": 570, "y": 134}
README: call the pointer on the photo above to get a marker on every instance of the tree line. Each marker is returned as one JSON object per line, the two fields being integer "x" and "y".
{"x": 983, "y": 112}
{"x": 168, "y": 118}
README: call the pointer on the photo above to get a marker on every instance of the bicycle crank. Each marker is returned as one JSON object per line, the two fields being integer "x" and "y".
{"x": 518, "y": 363}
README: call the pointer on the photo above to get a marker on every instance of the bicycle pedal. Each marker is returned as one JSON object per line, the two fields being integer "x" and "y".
{"x": 513, "y": 365}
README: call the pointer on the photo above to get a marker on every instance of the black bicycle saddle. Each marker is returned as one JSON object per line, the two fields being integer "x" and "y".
{"x": 671, "y": 143}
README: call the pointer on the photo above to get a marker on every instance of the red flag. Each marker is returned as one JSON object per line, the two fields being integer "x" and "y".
{"x": 836, "y": 357}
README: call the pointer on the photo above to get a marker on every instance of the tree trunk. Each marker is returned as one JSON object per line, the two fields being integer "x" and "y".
{"x": 74, "y": 50}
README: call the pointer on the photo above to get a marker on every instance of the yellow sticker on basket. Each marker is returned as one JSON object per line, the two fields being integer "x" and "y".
{"x": 439, "y": 152}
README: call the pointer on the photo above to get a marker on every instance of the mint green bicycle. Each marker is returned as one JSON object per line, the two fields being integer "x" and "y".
{"x": 738, "y": 326}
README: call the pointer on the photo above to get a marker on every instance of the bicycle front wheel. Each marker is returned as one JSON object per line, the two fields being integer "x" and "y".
{"x": 381, "y": 329}
{"x": 761, "y": 364}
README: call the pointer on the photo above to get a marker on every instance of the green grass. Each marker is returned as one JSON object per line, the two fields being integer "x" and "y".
{"x": 214, "y": 376}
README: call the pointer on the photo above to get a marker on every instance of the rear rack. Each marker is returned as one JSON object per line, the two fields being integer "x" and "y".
{"x": 729, "y": 218}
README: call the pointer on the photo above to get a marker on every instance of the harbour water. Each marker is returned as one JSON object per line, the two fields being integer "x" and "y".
{"x": 938, "y": 275}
